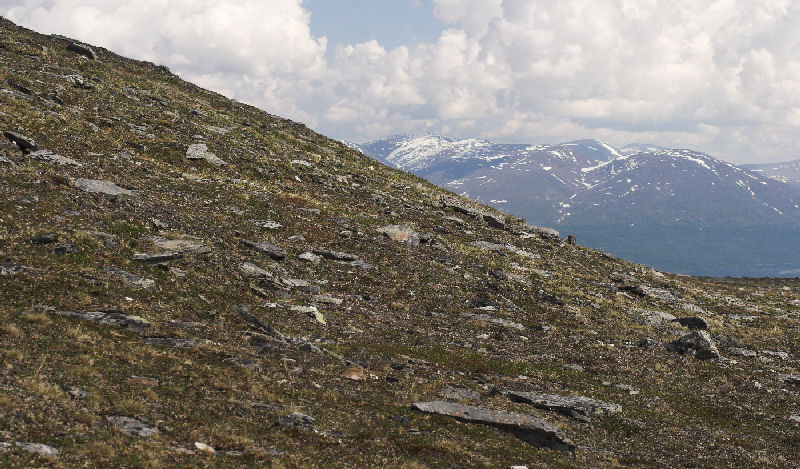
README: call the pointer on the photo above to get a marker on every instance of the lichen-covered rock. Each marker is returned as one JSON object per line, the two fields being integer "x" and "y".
{"x": 131, "y": 426}
{"x": 697, "y": 343}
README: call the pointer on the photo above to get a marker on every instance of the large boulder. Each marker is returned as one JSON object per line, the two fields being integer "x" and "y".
{"x": 697, "y": 343}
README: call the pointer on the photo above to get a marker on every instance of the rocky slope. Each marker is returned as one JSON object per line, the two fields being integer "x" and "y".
{"x": 679, "y": 210}
{"x": 189, "y": 281}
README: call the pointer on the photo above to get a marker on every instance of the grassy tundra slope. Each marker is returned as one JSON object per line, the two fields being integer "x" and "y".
{"x": 189, "y": 281}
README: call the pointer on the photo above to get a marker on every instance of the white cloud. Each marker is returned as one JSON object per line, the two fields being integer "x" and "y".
{"x": 722, "y": 76}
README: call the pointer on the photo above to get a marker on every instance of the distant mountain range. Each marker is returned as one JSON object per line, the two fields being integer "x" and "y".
{"x": 677, "y": 210}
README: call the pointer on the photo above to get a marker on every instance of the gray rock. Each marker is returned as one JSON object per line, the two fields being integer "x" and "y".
{"x": 61, "y": 249}
{"x": 199, "y": 151}
{"x": 38, "y": 448}
{"x": 578, "y": 407}
{"x": 532, "y": 430}
{"x": 494, "y": 320}
{"x": 253, "y": 271}
{"x": 327, "y": 299}
{"x": 170, "y": 342}
{"x": 82, "y": 49}
{"x": 272, "y": 250}
{"x": 460, "y": 394}
{"x": 742, "y": 352}
{"x": 76, "y": 393}
{"x": 111, "y": 318}
{"x": 541, "y": 231}
{"x": 297, "y": 420}
{"x": 182, "y": 245}
{"x": 49, "y": 157}
{"x": 795, "y": 418}
{"x": 267, "y": 224}
{"x": 156, "y": 258}
{"x": 504, "y": 248}
{"x": 24, "y": 143}
{"x": 401, "y": 234}
{"x": 100, "y": 187}
{"x": 9, "y": 268}
{"x": 131, "y": 426}
{"x": 336, "y": 255}
{"x": 5, "y": 160}
{"x": 309, "y": 257}
{"x": 697, "y": 343}
{"x": 301, "y": 285}
{"x": 772, "y": 354}
{"x": 130, "y": 280}
{"x": 694, "y": 323}
{"x": 651, "y": 318}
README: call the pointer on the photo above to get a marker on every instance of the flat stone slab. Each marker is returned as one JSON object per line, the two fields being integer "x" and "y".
{"x": 38, "y": 448}
{"x": 182, "y": 245}
{"x": 111, "y": 318}
{"x": 97, "y": 186}
{"x": 532, "y": 430}
{"x": 199, "y": 151}
{"x": 335, "y": 255}
{"x": 272, "y": 250}
{"x": 170, "y": 342}
{"x": 129, "y": 279}
{"x": 577, "y": 407}
{"x": 157, "y": 257}
{"x": 494, "y": 320}
{"x": 131, "y": 426}
{"x": 49, "y": 157}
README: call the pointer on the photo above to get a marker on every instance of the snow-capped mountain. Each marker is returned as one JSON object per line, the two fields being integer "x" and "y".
{"x": 788, "y": 172}
{"x": 678, "y": 210}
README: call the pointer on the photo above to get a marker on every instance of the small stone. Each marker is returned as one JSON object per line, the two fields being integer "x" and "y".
{"x": 494, "y": 320}
{"x": 131, "y": 426}
{"x": 143, "y": 381}
{"x": 76, "y": 393}
{"x": 297, "y": 420}
{"x": 309, "y": 257}
{"x": 267, "y": 224}
{"x": 401, "y": 234}
{"x": 204, "y": 448}
{"x": 327, "y": 299}
{"x": 269, "y": 249}
{"x": 336, "y": 255}
{"x": 354, "y": 373}
{"x": 253, "y": 271}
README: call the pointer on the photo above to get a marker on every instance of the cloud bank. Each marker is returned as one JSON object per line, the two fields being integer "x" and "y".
{"x": 720, "y": 76}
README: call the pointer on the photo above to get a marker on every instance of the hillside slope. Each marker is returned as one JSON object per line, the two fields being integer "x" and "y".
{"x": 188, "y": 281}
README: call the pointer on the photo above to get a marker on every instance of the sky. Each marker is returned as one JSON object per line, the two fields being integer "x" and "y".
{"x": 719, "y": 76}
